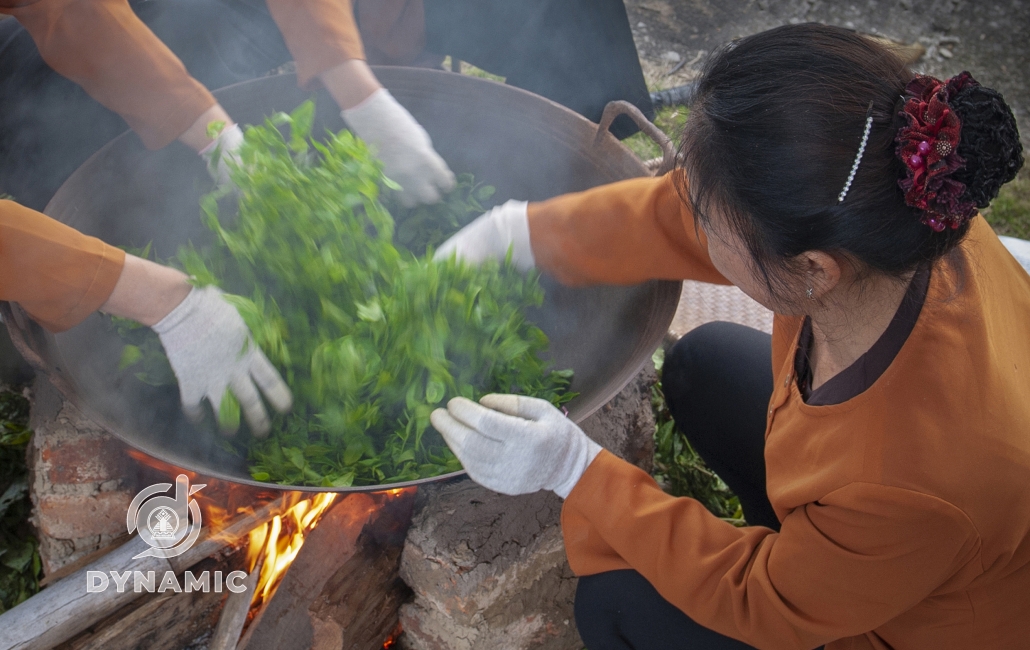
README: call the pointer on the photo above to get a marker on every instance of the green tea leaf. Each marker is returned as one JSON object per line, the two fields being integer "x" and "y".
{"x": 435, "y": 391}
{"x": 229, "y": 412}
{"x": 131, "y": 355}
{"x": 336, "y": 281}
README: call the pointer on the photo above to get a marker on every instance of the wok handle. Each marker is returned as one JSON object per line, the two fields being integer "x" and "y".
{"x": 621, "y": 107}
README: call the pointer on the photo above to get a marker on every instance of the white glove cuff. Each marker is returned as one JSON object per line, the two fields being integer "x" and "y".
{"x": 581, "y": 457}
{"x": 374, "y": 113}
{"x": 230, "y": 139}
{"x": 512, "y": 221}
{"x": 196, "y": 297}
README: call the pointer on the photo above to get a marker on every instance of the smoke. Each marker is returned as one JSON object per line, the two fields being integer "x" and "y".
{"x": 527, "y": 147}
{"x": 524, "y": 145}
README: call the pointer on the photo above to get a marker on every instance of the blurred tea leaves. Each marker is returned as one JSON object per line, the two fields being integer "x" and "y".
{"x": 369, "y": 332}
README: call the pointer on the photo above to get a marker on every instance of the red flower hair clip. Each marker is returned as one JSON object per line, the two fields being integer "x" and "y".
{"x": 927, "y": 146}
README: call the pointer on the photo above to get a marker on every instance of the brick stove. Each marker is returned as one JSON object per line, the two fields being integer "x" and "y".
{"x": 82, "y": 481}
{"x": 482, "y": 570}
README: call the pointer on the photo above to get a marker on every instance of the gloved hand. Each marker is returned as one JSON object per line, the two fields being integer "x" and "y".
{"x": 514, "y": 444}
{"x": 491, "y": 235}
{"x": 223, "y": 149}
{"x": 403, "y": 146}
{"x": 211, "y": 351}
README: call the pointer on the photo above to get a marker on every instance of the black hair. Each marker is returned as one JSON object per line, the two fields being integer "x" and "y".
{"x": 774, "y": 130}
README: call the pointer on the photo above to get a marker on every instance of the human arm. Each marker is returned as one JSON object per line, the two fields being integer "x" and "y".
{"x": 104, "y": 47}
{"x": 622, "y": 233}
{"x": 208, "y": 345}
{"x": 60, "y": 276}
{"x": 323, "y": 37}
{"x": 320, "y": 34}
{"x": 839, "y": 567}
{"x": 57, "y": 274}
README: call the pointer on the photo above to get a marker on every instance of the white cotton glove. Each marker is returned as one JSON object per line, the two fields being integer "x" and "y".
{"x": 514, "y": 444}
{"x": 491, "y": 235}
{"x": 403, "y": 146}
{"x": 221, "y": 151}
{"x": 1020, "y": 249}
{"x": 211, "y": 351}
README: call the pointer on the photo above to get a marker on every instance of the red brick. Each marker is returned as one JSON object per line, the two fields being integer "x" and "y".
{"x": 85, "y": 460}
{"x": 76, "y": 516}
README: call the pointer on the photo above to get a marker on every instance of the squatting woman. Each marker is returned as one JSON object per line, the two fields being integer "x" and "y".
{"x": 882, "y": 458}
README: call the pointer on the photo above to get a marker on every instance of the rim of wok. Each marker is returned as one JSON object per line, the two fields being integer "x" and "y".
{"x": 64, "y": 380}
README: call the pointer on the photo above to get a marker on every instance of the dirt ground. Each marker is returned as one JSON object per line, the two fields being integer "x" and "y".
{"x": 989, "y": 39}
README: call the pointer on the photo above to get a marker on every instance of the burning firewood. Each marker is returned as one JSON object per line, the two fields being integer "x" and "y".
{"x": 341, "y": 565}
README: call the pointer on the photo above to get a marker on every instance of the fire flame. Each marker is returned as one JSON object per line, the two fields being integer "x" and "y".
{"x": 220, "y": 501}
{"x": 278, "y": 542}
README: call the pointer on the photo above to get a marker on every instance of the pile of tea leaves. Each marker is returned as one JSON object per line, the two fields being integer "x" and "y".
{"x": 371, "y": 335}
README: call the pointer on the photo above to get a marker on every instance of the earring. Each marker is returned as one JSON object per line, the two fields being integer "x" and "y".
{"x": 809, "y": 294}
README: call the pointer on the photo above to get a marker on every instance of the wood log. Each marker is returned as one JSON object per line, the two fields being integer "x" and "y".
{"x": 284, "y": 623}
{"x": 65, "y": 608}
{"x": 234, "y": 613}
{"x": 165, "y": 621}
{"x": 354, "y": 608}
{"x": 359, "y": 605}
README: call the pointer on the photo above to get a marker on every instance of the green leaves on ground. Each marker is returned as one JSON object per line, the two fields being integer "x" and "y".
{"x": 1009, "y": 214}
{"x": 20, "y": 566}
{"x": 370, "y": 337}
{"x": 679, "y": 469}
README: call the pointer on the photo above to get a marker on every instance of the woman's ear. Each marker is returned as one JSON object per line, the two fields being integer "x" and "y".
{"x": 821, "y": 271}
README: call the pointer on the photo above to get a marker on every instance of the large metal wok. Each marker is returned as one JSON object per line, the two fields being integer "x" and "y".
{"x": 526, "y": 146}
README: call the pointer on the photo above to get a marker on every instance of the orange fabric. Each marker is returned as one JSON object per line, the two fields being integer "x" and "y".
{"x": 623, "y": 233}
{"x": 321, "y": 34}
{"x": 905, "y": 510}
{"x": 57, "y": 274}
{"x": 102, "y": 46}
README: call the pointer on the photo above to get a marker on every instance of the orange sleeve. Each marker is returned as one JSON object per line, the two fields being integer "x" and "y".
{"x": 623, "y": 233}
{"x": 57, "y": 274}
{"x": 102, "y": 46}
{"x": 320, "y": 34}
{"x": 839, "y": 567}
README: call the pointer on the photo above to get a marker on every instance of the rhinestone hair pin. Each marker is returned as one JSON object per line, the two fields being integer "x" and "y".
{"x": 858, "y": 158}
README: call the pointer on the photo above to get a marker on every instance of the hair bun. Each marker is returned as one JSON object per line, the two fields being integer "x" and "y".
{"x": 989, "y": 143}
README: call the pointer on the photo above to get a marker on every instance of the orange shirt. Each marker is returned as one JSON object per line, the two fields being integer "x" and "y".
{"x": 102, "y": 46}
{"x": 905, "y": 510}
{"x": 57, "y": 274}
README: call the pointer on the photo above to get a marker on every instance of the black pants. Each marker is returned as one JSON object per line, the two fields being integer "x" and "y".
{"x": 579, "y": 53}
{"x": 717, "y": 381}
